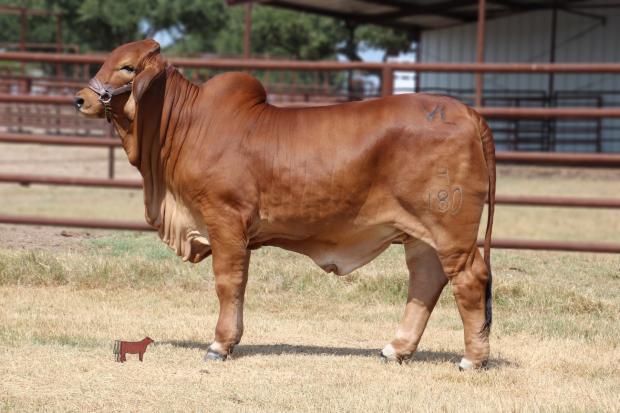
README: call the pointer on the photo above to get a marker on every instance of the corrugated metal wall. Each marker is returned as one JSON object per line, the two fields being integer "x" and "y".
{"x": 527, "y": 38}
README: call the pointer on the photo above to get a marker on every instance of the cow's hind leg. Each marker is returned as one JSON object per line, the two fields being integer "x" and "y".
{"x": 469, "y": 286}
{"x": 426, "y": 281}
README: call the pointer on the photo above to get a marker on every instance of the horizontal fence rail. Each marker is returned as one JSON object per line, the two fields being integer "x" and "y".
{"x": 135, "y": 226}
{"x": 510, "y": 157}
{"x": 27, "y": 180}
{"x": 608, "y": 160}
{"x": 75, "y": 223}
{"x": 548, "y": 113}
{"x": 542, "y": 201}
{"x": 517, "y": 244}
{"x": 59, "y": 140}
{"x": 36, "y": 99}
{"x": 258, "y": 64}
{"x": 557, "y": 201}
{"x": 488, "y": 112}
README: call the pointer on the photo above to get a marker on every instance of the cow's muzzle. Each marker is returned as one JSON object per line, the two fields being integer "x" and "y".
{"x": 78, "y": 101}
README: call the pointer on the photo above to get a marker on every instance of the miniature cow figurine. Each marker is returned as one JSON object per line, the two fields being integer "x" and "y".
{"x": 121, "y": 348}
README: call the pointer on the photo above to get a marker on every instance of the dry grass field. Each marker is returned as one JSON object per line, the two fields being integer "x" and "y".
{"x": 312, "y": 340}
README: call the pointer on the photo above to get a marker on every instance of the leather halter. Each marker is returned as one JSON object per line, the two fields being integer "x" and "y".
{"x": 106, "y": 93}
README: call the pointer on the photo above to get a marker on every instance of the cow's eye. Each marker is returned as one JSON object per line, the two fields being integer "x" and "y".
{"x": 128, "y": 69}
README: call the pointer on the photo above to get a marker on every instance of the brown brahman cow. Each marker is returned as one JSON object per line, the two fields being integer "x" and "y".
{"x": 225, "y": 172}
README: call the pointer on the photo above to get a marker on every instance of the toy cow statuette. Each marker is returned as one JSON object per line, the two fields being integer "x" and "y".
{"x": 121, "y": 348}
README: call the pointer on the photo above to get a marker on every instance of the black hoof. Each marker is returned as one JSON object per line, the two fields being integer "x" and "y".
{"x": 214, "y": 356}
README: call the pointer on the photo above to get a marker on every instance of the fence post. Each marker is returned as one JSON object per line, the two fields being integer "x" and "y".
{"x": 110, "y": 135}
{"x": 482, "y": 10}
{"x": 387, "y": 81}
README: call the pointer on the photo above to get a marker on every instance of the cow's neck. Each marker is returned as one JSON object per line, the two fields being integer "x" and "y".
{"x": 164, "y": 126}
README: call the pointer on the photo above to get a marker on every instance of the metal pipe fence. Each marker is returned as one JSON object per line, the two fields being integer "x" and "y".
{"x": 386, "y": 72}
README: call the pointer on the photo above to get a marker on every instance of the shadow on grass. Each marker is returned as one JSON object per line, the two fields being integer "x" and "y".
{"x": 250, "y": 350}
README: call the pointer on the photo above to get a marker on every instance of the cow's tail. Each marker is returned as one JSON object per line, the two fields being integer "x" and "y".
{"x": 488, "y": 146}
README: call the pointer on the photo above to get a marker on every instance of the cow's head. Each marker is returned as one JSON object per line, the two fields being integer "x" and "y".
{"x": 118, "y": 90}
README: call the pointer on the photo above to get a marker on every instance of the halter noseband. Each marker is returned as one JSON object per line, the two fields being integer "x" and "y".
{"x": 106, "y": 94}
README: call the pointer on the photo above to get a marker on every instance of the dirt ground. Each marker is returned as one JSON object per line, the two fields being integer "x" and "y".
{"x": 43, "y": 238}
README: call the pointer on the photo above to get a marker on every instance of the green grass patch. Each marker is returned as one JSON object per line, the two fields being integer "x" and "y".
{"x": 551, "y": 295}
{"x": 132, "y": 244}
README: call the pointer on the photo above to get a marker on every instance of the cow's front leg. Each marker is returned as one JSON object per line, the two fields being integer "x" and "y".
{"x": 426, "y": 281}
{"x": 230, "y": 265}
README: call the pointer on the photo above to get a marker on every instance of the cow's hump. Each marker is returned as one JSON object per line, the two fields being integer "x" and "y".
{"x": 236, "y": 86}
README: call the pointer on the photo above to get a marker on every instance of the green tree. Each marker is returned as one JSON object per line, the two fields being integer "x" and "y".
{"x": 391, "y": 41}
{"x": 284, "y": 33}
{"x": 194, "y": 25}
{"x": 201, "y": 26}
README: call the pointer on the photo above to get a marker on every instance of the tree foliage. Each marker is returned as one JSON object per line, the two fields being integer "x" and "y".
{"x": 391, "y": 41}
{"x": 200, "y": 26}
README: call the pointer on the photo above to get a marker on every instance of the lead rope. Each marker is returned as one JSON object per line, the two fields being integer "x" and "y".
{"x": 108, "y": 112}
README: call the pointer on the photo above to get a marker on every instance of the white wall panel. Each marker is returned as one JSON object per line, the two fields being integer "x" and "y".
{"x": 525, "y": 38}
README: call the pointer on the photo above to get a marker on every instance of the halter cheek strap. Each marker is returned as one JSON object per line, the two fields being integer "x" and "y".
{"x": 106, "y": 93}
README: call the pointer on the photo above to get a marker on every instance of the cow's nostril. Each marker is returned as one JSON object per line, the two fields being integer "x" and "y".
{"x": 78, "y": 102}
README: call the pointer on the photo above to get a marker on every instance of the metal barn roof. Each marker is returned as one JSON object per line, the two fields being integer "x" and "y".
{"x": 422, "y": 14}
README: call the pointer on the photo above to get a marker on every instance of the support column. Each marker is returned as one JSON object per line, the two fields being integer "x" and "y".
{"x": 109, "y": 133}
{"x": 22, "y": 35}
{"x": 58, "y": 44}
{"x": 418, "y": 59}
{"x": 247, "y": 34}
{"x": 482, "y": 11}
{"x": 549, "y": 145}
{"x": 387, "y": 81}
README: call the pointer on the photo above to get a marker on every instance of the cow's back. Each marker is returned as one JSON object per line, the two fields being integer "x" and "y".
{"x": 321, "y": 165}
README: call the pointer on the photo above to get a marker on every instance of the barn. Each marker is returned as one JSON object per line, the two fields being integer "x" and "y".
{"x": 517, "y": 31}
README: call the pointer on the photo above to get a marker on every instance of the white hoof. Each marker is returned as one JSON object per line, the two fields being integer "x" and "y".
{"x": 465, "y": 364}
{"x": 389, "y": 354}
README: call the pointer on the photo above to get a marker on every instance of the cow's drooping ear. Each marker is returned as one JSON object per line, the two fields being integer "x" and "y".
{"x": 143, "y": 108}
{"x": 150, "y": 67}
